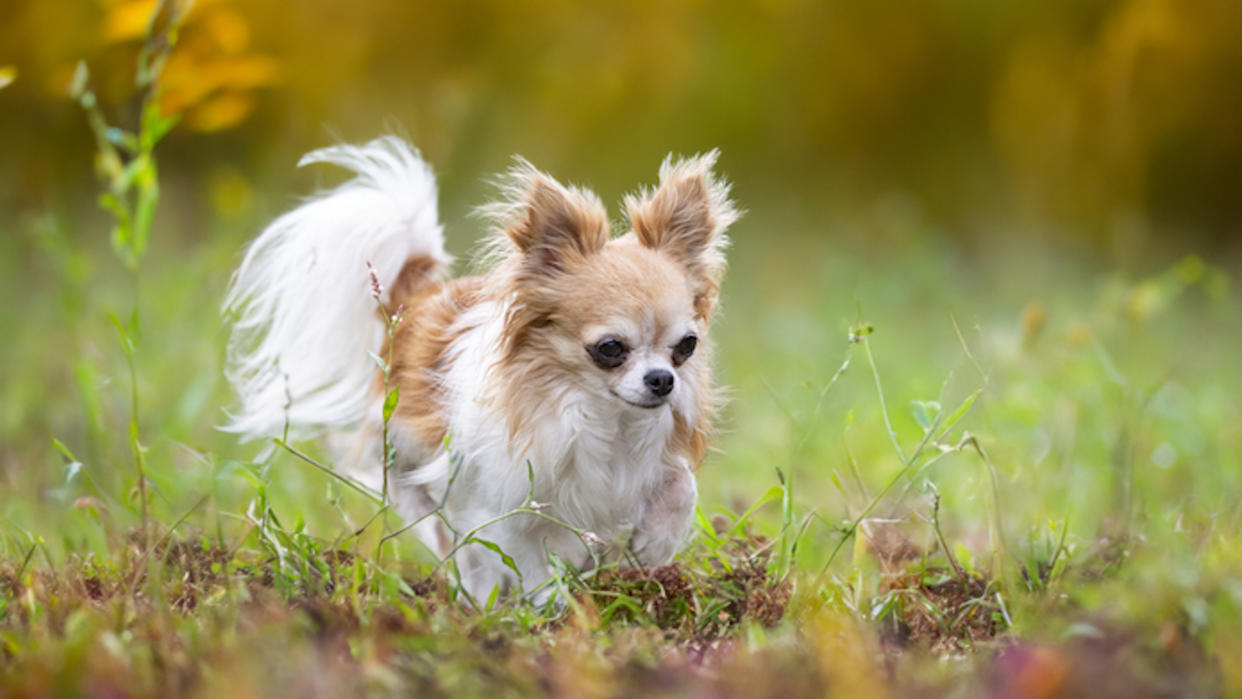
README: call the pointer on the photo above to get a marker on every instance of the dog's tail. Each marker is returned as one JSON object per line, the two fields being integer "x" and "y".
{"x": 303, "y": 300}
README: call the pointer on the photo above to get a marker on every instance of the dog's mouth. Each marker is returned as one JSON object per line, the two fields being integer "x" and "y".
{"x": 646, "y": 406}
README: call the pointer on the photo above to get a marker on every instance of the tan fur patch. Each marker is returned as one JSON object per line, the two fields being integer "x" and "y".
{"x": 416, "y": 275}
{"x": 421, "y": 346}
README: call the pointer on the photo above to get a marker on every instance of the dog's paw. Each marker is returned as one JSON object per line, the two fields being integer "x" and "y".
{"x": 654, "y": 549}
{"x": 666, "y": 519}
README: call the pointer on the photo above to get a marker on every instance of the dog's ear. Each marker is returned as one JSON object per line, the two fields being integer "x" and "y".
{"x": 550, "y": 225}
{"x": 686, "y": 217}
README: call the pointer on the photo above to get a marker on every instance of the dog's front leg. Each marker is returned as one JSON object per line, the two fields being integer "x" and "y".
{"x": 668, "y": 512}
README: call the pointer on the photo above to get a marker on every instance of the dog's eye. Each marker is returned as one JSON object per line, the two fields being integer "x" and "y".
{"x": 611, "y": 348}
{"x": 682, "y": 350}
{"x": 609, "y": 353}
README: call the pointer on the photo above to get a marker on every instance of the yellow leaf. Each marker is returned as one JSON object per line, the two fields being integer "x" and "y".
{"x": 247, "y": 72}
{"x": 220, "y": 112}
{"x": 189, "y": 78}
{"x": 7, "y": 75}
{"x": 128, "y": 20}
{"x": 228, "y": 30}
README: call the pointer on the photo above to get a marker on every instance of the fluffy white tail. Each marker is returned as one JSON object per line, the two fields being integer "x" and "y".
{"x": 305, "y": 317}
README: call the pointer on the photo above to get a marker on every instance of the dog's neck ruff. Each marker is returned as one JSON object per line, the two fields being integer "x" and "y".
{"x": 591, "y": 456}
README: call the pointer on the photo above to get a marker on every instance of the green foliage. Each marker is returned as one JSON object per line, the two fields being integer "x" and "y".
{"x": 125, "y": 160}
{"x": 1033, "y": 461}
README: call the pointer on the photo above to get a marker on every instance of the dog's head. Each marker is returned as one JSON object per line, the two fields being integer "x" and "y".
{"x": 622, "y": 318}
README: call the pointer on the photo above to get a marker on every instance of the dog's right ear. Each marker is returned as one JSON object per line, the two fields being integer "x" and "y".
{"x": 685, "y": 218}
{"x": 552, "y": 226}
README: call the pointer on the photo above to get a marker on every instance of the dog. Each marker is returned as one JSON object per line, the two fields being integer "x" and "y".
{"x": 570, "y": 377}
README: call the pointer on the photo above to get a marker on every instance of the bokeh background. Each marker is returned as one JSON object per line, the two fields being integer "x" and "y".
{"x": 1053, "y": 183}
{"x": 1110, "y": 124}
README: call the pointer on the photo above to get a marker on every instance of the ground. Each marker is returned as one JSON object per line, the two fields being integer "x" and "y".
{"x": 933, "y": 478}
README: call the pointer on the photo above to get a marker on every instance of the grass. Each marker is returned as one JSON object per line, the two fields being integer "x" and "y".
{"x": 1007, "y": 472}
{"x": 1031, "y": 505}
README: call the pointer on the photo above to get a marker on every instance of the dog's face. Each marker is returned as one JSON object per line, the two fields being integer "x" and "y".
{"x": 624, "y": 319}
{"x": 634, "y": 325}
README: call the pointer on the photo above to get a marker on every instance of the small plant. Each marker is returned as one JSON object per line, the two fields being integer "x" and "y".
{"x": 125, "y": 159}
{"x": 126, "y": 165}
{"x": 391, "y": 392}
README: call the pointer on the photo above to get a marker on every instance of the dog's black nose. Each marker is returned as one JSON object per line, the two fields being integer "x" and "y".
{"x": 659, "y": 381}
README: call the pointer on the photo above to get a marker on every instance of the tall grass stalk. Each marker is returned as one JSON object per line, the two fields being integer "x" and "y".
{"x": 934, "y": 432}
{"x": 391, "y": 396}
{"x": 126, "y": 165}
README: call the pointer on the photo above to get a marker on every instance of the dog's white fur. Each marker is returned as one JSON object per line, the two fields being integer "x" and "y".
{"x": 306, "y": 321}
{"x": 303, "y": 284}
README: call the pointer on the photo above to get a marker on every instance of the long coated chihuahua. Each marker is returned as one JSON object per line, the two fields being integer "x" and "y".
{"x": 571, "y": 379}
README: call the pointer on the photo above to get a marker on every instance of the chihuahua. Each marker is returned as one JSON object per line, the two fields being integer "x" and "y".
{"x": 554, "y": 406}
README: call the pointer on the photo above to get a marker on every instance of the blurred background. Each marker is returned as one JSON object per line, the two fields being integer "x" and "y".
{"x": 1052, "y": 183}
{"x": 1110, "y": 125}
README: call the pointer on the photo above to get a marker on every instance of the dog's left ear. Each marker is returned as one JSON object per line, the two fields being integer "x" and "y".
{"x": 685, "y": 217}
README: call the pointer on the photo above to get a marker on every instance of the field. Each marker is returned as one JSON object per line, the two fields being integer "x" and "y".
{"x": 992, "y": 465}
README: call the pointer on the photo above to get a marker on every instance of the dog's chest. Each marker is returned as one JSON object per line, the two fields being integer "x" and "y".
{"x": 609, "y": 464}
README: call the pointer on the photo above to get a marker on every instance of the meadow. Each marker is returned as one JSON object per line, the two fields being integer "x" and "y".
{"x": 988, "y": 465}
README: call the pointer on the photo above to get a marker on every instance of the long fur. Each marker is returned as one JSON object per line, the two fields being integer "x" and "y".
{"x": 305, "y": 318}
{"x": 500, "y": 398}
